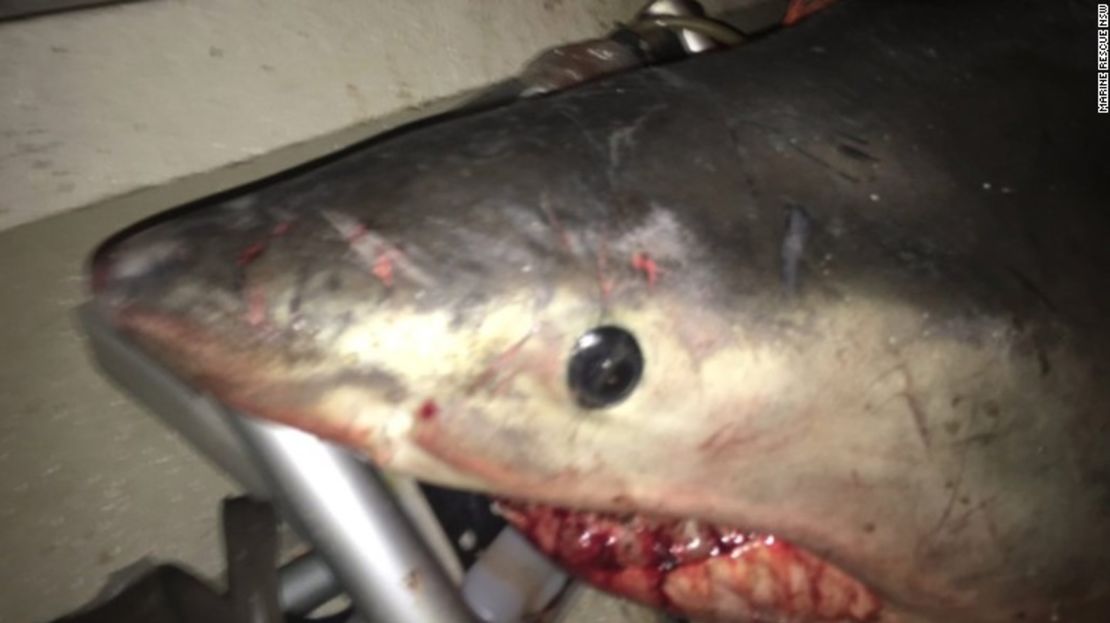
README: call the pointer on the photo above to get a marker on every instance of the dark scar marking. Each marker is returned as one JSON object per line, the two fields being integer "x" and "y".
{"x": 856, "y": 154}
{"x": 918, "y": 412}
{"x": 793, "y": 246}
{"x": 1044, "y": 362}
{"x": 909, "y": 394}
{"x": 954, "y": 493}
{"x": 853, "y": 138}
{"x": 1032, "y": 287}
{"x": 825, "y": 164}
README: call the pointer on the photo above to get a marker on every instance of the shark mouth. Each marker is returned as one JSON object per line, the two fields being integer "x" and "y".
{"x": 694, "y": 569}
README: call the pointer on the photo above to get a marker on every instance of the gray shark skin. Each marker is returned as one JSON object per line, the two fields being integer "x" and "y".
{"x": 866, "y": 260}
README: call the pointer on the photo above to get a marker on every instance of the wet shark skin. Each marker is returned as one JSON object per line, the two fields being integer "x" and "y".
{"x": 874, "y": 323}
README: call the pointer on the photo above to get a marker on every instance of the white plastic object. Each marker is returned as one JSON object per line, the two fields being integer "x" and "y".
{"x": 511, "y": 580}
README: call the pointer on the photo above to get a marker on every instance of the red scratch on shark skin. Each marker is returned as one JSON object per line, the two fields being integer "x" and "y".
{"x": 491, "y": 375}
{"x": 739, "y": 440}
{"x": 250, "y": 254}
{"x": 800, "y": 9}
{"x": 280, "y": 229}
{"x": 381, "y": 258}
{"x": 727, "y": 438}
{"x": 256, "y": 314}
{"x": 644, "y": 263}
{"x": 383, "y": 268}
{"x": 255, "y": 250}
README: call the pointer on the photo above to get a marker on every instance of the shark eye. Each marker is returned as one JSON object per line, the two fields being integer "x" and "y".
{"x": 604, "y": 367}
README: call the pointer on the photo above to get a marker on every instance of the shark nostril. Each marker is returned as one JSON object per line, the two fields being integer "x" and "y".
{"x": 604, "y": 367}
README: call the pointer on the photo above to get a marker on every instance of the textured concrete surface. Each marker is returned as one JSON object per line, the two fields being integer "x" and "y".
{"x": 99, "y": 102}
{"x": 87, "y": 483}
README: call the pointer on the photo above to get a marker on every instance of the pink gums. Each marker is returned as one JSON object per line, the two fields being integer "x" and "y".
{"x": 694, "y": 568}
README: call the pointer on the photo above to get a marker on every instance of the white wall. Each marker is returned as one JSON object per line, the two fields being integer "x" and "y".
{"x": 100, "y": 102}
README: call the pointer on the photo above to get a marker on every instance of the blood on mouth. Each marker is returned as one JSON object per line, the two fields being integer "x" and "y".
{"x": 694, "y": 568}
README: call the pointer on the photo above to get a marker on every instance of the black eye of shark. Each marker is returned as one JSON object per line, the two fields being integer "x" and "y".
{"x": 605, "y": 366}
